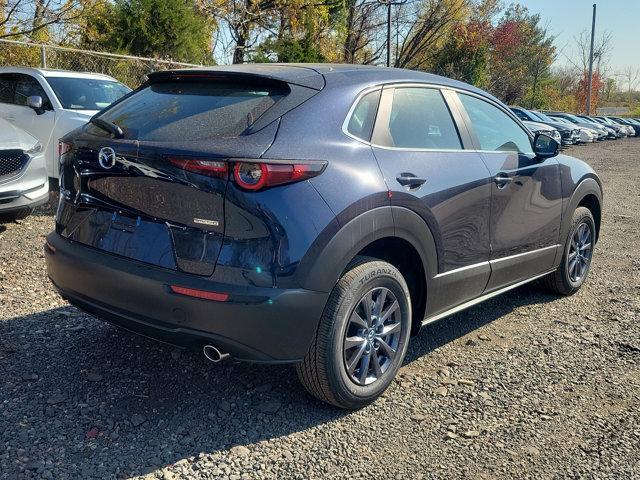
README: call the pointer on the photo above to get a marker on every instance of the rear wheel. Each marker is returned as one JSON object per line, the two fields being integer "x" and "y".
{"x": 362, "y": 336}
{"x": 578, "y": 251}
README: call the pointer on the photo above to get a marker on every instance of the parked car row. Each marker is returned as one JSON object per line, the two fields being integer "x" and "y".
{"x": 37, "y": 108}
{"x": 575, "y": 129}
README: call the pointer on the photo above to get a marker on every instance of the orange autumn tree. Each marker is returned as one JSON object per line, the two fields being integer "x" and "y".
{"x": 582, "y": 91}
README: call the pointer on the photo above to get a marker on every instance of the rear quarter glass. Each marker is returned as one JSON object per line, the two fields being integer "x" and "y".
{"x": 178, "y": 111}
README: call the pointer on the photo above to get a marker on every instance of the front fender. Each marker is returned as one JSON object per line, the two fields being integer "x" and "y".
{"x": 587, "y": 186}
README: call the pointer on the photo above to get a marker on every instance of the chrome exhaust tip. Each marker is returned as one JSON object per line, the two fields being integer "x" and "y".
{"x": 213, "y": 354}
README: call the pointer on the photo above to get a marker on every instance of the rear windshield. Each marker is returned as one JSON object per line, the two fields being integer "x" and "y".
{"x": 192, "y": 110}
{"x": 86, "y": 93}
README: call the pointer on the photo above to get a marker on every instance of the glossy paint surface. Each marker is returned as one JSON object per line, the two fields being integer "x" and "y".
{"x": 274, "y": 237}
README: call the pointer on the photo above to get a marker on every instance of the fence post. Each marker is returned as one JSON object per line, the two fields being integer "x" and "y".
{"x": 43, "y": 56}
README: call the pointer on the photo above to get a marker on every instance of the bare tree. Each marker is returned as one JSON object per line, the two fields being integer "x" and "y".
{"x": 241, "y": 22}
{"x": 427, "y": 23}
{"x": 26, "y": 17}
{"x": 631, "y": 76}
{"x": 363, "y": 23}
{"x": 601, "y": 50}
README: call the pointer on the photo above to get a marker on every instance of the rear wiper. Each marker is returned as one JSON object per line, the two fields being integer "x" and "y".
{"x": 112, "y": 128}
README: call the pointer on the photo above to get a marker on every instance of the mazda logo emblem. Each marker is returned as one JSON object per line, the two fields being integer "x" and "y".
{"x": 107, "y": 158}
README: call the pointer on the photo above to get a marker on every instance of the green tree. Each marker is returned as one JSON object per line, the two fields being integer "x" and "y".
{"x": 521, "y": 56}
{"x": 465, "y": 54}
{"x": 169, "y": 29}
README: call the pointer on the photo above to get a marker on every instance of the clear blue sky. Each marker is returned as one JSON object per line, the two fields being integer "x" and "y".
{"x": 567, "y": 18}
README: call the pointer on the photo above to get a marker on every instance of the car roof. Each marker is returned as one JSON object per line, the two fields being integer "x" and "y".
{"x": 313, "y": 75}
{"x": 46, "y": 72}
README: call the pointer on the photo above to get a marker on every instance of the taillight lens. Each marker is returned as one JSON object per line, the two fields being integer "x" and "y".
{"x": 210, "y": 168}
{"x": 63, "y": 148}
{"x": 258, "y": 175}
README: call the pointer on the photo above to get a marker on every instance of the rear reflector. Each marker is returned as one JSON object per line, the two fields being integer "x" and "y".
{"x": 204, "y": 294}
{"x": 207, "y": 167}
{"x": 255, "y": 176}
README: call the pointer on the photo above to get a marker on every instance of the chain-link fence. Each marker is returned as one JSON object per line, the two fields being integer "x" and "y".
{"x": 128, "y": 69}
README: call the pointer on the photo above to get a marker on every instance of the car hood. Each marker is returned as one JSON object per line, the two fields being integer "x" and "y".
{"x": 559, "y": 125}
{"x": 12, "y": 137}
{"x": 536, "y": 125}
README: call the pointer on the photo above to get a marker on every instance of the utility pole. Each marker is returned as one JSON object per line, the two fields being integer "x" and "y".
{"x": 389, "y": 3}
{"x": 593, "y": 33}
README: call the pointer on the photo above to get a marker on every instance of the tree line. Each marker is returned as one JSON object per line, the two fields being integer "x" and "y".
{"x": 506, "y": 50}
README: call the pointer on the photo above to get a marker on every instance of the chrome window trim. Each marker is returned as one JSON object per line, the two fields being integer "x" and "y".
{"x": 383, "y": 86}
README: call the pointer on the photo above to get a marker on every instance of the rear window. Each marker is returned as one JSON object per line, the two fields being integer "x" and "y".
{"x": 192, "y": 110}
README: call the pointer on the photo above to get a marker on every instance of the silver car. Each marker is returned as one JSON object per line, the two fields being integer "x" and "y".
{"x": 23, "y": 176}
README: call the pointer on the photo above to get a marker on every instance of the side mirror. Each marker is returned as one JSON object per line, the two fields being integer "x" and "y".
{"x": 544, "y": 146}
{"x": 35, "y": 102}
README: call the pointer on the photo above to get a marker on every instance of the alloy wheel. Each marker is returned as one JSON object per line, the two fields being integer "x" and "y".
{"x": 580, "y": 250}
{"x": 372, "y": 336}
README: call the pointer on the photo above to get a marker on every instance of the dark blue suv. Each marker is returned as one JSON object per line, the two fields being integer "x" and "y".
{"x": 312, "y": 214}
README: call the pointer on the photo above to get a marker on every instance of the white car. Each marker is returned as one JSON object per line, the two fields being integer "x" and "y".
{"x": 587, "y": 135}
{"x": 536, "y": 127}
{"x": 50, "y": 103}
{"x": 23, "y": 177}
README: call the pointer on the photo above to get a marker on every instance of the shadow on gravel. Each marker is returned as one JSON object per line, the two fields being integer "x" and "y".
{"x": 89, "y": 400}
{"x": 448, "y": 329}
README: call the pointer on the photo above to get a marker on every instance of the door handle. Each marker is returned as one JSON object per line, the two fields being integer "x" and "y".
{"x": 502, "y": 180}
{"x": 410, "y": 180}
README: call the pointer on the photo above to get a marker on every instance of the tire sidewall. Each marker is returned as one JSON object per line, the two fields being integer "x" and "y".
{"x": 378, "y": 274}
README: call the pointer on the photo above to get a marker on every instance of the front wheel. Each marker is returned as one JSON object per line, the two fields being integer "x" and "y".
{"x": 362, "y": 336}
{"x": 578, "y": 252}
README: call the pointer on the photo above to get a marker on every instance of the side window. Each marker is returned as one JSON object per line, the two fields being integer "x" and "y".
{"x": 364, "y": 115}
{"x": 27, "y": 86}
{"x": 7, "y": 87}
{"x": 420, "y": 118}
{"x": 497, "y": 132}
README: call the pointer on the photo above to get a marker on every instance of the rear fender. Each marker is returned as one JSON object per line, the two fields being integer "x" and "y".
{"x": 336, "y": 246}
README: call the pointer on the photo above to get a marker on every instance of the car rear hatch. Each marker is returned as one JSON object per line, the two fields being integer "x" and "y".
{"x": 147, "y": 179}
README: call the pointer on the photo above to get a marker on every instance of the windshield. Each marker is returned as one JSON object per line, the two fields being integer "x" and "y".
{"x": 86, "y": 93}
{"x": 562, "y": 120}
{"x": 542, "y": 117}
{"x": 573, "y": 118}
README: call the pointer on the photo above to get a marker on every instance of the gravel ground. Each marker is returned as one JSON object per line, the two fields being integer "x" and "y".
{"x": 525, "y": 385}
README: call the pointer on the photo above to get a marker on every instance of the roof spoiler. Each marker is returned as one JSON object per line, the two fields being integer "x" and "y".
{"x": 304, "y": 77}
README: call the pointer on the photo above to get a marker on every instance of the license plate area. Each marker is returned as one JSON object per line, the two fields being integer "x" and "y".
{"x": 131, "y": 237}
{"x": 189, "y": 250}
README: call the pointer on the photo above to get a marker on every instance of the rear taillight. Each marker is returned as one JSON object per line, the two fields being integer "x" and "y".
{"x": 63, "y": 148}
{"x": 210, "y": 168}
{"x": 258, "y": 175}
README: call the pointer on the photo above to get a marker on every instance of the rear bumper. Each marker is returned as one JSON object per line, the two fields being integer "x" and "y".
{"x": 256, "y": 324}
